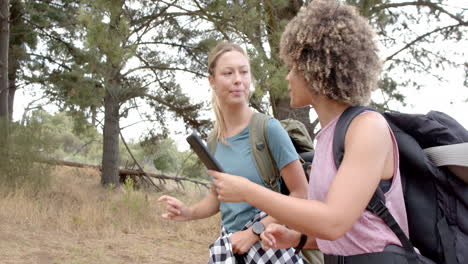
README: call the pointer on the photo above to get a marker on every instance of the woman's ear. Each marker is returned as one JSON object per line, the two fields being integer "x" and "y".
{"x": 211, "y": 81}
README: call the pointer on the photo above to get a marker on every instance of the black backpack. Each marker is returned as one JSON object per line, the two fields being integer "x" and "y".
{"x": 436, "y": 199}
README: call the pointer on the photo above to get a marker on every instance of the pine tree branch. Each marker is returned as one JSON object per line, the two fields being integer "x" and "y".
{"x": 211, "y": 19}
{"x": 177, "y": 109}
{"x": 159, "y": 68}
{"x": 50, "y": 60}
{"x": 72, "y": 50}
{"x": 81, "y": 148}
{"x": 421, "y": 68}
{"x": 147, "y": 20}
{"x": 140, "y": 169}
{"x": 419, "y": 39}
{"x": 187, "y": 48}
{"x": 434, "y": 6}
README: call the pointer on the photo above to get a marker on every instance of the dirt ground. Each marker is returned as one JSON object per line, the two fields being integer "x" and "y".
{"x": 52, "y": 231}
{"x": 20, "y": 244}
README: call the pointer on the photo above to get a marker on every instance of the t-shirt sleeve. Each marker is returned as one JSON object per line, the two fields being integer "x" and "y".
{"x": 280, "y": 144}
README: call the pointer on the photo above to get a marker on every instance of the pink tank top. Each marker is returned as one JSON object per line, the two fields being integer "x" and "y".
{"x": 369, "y": 234}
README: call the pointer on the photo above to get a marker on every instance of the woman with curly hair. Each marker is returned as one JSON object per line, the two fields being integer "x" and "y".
{"x": 332, "y": 56}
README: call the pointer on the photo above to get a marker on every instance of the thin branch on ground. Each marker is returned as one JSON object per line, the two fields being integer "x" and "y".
{"x": 125, "y": 172}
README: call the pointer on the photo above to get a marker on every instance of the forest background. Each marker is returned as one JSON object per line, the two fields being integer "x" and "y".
{"x": 129, "y": 69}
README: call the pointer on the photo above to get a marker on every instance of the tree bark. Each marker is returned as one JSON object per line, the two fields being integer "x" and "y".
{"x": 283, "y": 110}
{"x": 11, "y": 96}
{"x": 13, "y": 68}
{"x": 16, "y": 50}
{"x": 4, "y": 41}
{"x": 280, "y": 103}
{"x": 110, "y": 153}
{"x": 128, "y": 172}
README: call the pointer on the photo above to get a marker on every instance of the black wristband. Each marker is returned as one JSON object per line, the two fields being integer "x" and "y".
{"x": 302, "y": 242}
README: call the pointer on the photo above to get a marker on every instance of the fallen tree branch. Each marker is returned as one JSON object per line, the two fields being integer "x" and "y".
{"x": 140, "y": 169}
{"x": 125, "y": 172}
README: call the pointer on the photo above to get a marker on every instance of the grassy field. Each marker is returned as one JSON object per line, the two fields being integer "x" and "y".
{"x": 76, "y": 221}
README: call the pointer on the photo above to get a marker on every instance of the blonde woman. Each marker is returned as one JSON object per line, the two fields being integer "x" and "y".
{"x": 230, "y": 78}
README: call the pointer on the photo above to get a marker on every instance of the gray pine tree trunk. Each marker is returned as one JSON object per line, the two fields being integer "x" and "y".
{"x": 13, "y": 68}
{"x": 4, "y": 40}
{"x": 11, "y": 96}
{"x": 283, "y": 110}
{"x": 16, "y": 49}
{"x": 110, "y": 153}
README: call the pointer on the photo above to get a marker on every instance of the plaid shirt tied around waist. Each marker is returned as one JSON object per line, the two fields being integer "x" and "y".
{"x": 221, "y": 251}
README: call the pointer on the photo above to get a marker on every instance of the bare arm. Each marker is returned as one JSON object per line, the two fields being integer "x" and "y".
{"x": 207, "y": 207}
{"x": 294, "y": 177}
{"x": 178, "y": 211}
{"x": 295, "y": 180}
{"x": 368, "y": 145}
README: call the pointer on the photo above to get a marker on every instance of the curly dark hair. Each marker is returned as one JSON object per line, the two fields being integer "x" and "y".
{"x": 334, "y": 47}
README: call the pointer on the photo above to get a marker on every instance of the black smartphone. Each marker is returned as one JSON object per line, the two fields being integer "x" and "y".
{"x": 202, "y": 152}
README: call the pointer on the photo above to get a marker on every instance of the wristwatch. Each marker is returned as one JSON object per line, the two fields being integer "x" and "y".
{"x": 302, "y": 242}
{"x": 258, "y": 228}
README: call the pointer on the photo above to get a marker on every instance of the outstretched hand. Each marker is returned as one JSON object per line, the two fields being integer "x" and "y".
{"x": 230, "y": 188}
{"x": 279, "y": 236}
{"x": 176, "y": 210}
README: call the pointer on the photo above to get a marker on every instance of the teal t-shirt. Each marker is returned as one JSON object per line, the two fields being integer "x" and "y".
{"x": 236, "y": 158}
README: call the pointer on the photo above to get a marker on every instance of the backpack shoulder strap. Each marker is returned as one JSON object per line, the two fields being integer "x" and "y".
{"x": 261, "y": 153}
{"x": 340, "y": 132}
{"x": 377, "y": 206}
{"x": 377, "y": 203}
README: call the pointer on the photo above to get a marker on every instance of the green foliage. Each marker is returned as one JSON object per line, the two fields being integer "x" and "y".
{"x": 164, "y": 163}
{"x": 163, "y": 153}
{"x": 76, "y": 141}
{"x": 20, "y": 165}
{"x": 61, "y": 139}
{"x": 66, "y": 140}
{"x": 191, "y": 166}
{"x": 116, "y": 51}
{"x": 167, "y": 159}
{"x": 410, "y": 49}
{"x": 132, "y": 50}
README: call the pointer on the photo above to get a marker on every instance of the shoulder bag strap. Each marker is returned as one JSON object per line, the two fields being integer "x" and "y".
{"x": 261, "y": 152}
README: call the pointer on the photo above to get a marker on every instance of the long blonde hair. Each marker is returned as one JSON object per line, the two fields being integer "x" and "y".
{"x": 216, "y": 52}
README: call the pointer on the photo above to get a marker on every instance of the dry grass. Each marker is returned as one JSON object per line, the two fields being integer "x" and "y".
{"x": 77, "y": 221}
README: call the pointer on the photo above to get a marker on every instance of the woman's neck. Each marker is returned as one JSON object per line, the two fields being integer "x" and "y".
{"x": 328, "y": 109}
{"x": 236, "y": 119}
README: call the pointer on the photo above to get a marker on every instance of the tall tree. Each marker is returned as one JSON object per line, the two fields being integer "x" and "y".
{"x": 22, "y": 37}
{"x": 112, "y": 62}
{"x": 4, "y": 39}
{"x": 33, "y": 22}
{"x": 259, "y": 24}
